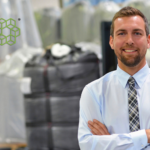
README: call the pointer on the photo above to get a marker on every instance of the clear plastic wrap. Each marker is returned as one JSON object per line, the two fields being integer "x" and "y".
{"x": 12, "y": 126}
{"x": 76, "y": 23}
{"x": 48, "y": 21}
{"x": 32, "y": 34}
{"x": 13, "y": 67}
{"x": 103, "y": 12}
{"x": 12, "y": 120}
{"x": 21, "y": 12}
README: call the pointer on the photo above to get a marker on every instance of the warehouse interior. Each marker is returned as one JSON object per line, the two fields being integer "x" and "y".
{"x": 49, "y": 51}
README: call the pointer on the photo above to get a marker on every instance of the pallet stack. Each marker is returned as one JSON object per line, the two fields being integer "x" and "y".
{"x": 52, "y": 106}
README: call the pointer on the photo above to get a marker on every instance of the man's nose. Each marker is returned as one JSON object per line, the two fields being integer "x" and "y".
{"x": 129, "y": 39}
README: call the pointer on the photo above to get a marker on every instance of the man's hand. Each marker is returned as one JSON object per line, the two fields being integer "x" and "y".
{"x": 97, "y": 128}
{"x": 148, "y": 135}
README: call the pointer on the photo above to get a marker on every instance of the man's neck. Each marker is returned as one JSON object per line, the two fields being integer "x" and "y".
{"x": 131, "y": 70}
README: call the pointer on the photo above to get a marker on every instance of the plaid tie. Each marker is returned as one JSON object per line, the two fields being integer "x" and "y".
{"x": 134, "y": 123}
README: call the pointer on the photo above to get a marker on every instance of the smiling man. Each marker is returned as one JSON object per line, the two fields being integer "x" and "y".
{"x": 115, "y": 109}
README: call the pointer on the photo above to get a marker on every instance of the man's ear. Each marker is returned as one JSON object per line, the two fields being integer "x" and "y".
{"x": 111, "y": 42}
{"x": 148, "y": 41}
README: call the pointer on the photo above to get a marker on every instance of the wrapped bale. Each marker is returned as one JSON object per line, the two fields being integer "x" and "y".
{"x": 61, "y": 136}
{"x": 76, "y": 23}
{"x": 48, "y": 21}
{"x": 11, "y": 112}
{"x": 104, "y": 11}
{"x": 49, "y": 108}
{"x": 54, "y": 83}
{"x": 68, "y": 74}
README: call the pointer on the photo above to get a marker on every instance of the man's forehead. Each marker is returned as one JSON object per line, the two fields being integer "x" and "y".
{"x": 128, "y": 18}
{"x": 129, "y": 21}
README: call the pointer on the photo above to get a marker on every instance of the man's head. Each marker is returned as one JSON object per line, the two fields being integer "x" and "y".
{"x": 130, "y": 37}
{"x": 128, "y": 12}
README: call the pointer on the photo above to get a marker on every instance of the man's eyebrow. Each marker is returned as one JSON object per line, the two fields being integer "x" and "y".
{"x": 138, "y": 30}
{"x": 120, "y": 30}
{"x": 123, "y": 30}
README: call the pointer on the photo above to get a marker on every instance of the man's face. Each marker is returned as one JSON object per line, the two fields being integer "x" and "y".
{"x": 130, "y": 42}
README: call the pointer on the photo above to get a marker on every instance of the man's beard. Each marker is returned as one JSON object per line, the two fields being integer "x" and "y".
{"x": 130, "y": 62}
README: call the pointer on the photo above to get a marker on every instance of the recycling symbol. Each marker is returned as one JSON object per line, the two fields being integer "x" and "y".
{"x": 8, "y": 31}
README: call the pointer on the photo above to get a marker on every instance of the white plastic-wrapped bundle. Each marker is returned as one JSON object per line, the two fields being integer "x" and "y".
{"x": 48, "y": 21}
{"x": 13, "y": 67}
{"x": 12, "y": 120}
{"x": 21, "y": 12}
{"x": 103, "y": 12}
{"x": 76, "y": 23}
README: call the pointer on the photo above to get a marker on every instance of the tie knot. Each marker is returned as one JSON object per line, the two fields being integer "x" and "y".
{"x": 131, "y": 81}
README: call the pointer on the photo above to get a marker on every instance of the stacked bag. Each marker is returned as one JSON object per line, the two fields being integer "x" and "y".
{"x": 54, "y": 85}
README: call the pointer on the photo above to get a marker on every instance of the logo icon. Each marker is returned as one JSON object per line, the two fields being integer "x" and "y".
{"x": 8, "y": 31}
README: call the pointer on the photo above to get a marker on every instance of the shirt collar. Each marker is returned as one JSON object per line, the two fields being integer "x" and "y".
{"x": 139, "y": 77}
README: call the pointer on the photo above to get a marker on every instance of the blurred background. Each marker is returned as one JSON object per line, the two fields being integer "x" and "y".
{"x": 49, "y": 50}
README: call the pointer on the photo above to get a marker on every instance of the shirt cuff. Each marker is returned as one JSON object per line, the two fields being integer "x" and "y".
{"x": 139, "y": 139}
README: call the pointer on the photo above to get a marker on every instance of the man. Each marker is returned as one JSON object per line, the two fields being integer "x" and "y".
{"x": 115, "y": 109}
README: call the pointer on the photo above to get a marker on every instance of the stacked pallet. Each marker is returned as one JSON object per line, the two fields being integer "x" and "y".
{"x": 52, "y": 105}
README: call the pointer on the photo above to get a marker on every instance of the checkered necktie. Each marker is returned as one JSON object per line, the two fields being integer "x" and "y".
{"x": 134, "y": 123}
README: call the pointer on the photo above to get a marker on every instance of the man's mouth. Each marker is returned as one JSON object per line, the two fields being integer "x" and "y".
{"x": 129, "y": 50}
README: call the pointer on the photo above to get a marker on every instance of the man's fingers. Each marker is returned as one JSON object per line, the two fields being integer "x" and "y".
{"x": 98, "y": 127}
{"x": 102, "y": 125}
{"x": 90, "y": 122}
{"x": 95, "y": 128}
{"x": 101, "y": 130}
{"x": 93, "y": 133}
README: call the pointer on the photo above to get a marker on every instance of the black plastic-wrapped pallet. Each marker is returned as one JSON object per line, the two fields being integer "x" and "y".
{"x": 66, "y": 78}
{"x": 46, "y": 108}
{"x": 69, "y": 73}
{"x": 61, "y": 136}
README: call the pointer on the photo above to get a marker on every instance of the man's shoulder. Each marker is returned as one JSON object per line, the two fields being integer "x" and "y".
{"x": 103, "y": 80}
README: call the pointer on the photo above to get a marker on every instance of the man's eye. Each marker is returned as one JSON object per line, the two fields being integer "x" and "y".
{"x": 121, "y": 33}
{"x": 137, "y": 33}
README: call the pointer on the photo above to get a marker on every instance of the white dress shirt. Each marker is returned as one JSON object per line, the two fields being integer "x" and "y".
{"x": 106, "y": 100}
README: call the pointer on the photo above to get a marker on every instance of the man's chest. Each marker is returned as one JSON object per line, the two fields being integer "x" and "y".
{"x": 115, "y": 111}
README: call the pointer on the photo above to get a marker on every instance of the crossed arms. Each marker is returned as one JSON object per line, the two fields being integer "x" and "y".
{"x": 94, "y": 135}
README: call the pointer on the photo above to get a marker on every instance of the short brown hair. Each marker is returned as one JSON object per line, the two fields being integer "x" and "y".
{"x": 127, "y": 12}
